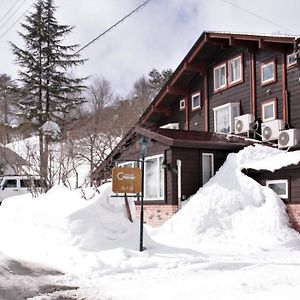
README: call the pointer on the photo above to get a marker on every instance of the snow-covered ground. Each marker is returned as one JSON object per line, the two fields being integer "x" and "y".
{"x": 230, "y": 241}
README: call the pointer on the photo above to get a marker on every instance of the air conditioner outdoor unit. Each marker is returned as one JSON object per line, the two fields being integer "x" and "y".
{"x": 270, "y": 130}
{"x": 289, "y": 138}
{"x": 170, "y": 126}
{"x": 243, "y": 123}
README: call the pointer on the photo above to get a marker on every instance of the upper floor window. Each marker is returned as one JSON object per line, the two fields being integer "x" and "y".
{"x": 291, "y": 59}
{"x": 224, "y": 117}
{"x": 235, "y": 70}
{"x": 268, "y": 110}
{"x": 268, "y": 72}
{"x": 196, "y": 101}
{"x": 220, "y": 80}
{"x": 182, "y": 104}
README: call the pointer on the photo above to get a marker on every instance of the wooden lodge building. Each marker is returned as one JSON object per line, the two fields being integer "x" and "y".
{"x": 229, "y": 86}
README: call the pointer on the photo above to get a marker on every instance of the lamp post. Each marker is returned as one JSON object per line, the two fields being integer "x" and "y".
{"x": 143, "y": 142}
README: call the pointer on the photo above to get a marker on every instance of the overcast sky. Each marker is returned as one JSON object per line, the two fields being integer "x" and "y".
{"x": 157, "y": 36}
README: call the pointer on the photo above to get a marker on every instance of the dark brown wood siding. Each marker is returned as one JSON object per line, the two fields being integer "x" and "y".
{"x": 293, "y": 86}
{"x": 191, "y": 160}
{"x": 237, "y": 93}
{"x": 272, "y": 90}
{"x": 197, "y": 117}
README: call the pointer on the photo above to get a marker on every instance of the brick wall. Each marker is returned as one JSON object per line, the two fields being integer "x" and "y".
{"x": 294, "y": 214}
{"x": 156, "y": 215}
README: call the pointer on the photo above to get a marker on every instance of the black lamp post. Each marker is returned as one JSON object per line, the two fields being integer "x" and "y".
{"x": 143, "y": 142}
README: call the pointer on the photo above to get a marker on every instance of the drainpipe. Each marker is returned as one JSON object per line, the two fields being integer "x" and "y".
{"x": 178, "y": 162}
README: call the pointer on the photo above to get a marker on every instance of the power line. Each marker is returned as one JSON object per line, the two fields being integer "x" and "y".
{"x": 25, "y": 12}
{"x": 258, "y": 16}
{"x": 113, "y": 26}
{"x": 11, "y": 16}
{"x": 12, "y": 7}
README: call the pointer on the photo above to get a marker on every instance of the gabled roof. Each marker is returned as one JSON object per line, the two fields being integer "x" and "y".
{"x": 199, "y": 56}
{"x": 9, "y": 157}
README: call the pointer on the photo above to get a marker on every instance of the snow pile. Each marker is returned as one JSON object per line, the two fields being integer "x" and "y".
{"x": 65, "y": 230}
{"x": 233, "y": 209}
{"x": 103, "y": 224}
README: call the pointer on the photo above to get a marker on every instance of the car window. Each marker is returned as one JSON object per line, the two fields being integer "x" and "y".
{"x": 25, "y": 183}
{"x": 10, "y": 183}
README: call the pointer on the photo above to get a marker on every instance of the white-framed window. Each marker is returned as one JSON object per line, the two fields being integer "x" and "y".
{"x": 207, "y": 167}
{"x": 196, "y": 101}
{"x": 224, "y": 117}
{"x": 182, "y": 104}
{"x": 291, "y": 59}
{"x": 128, "y": 164}
{"x": 280, "y": 187}
{"x": 154, "y": 178}
{"x": 220, "y": 80}
{"x": 268, "y": 72}
{"x": 268, "y": 110}
{"x": 235, "y": 70}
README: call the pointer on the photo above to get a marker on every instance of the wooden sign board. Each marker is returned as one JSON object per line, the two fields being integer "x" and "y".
{"x": 126, "y": 180}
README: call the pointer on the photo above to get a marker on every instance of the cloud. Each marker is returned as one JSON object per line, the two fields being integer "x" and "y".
{"x": 157, "y": 36}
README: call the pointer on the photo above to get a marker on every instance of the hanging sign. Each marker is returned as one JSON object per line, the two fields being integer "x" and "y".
{"x": 126, "y": 180}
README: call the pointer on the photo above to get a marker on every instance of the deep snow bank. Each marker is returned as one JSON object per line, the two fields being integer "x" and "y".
{"x": 233, "y": 209}
{"x": 60, "y": 227}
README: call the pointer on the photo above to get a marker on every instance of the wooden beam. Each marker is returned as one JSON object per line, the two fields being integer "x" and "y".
{"x": 198, "y": 48}
{"x": 250, "y": 45}
{"x": 176, "y": 91}
{"x": 253, "y": 85}
{"x": 196, "y": 68}
{"x": 219, "y": 41}
{"x": 284, "y": 88}
{"x": 187, "y": 113}
{"x": 262, "y": 44}
{"x": 206, "y": 109}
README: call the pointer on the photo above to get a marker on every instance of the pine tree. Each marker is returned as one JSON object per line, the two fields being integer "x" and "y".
{"x": 48, "y": 93}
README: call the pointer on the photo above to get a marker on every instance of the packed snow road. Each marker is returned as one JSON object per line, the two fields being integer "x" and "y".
{"x": 20, "y": 280}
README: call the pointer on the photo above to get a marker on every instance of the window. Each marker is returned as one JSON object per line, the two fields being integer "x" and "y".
{"x": 291, "y": 59}
{"x": 207, "y": 167}
{"x": 220, "y": 81}
{"x": 268, "y": 73}
{"x": 154, "y": 178}
{"x": 196, "y": 101}
{"x": 235, "y": 70}
{"x": 268, "y": 109}
{"x": 128, "y": 164}
{"x": 224, "y": 117}
{"x": 182, "y": 104}
{"x": 10, "y": 183}
{"x": 280, "y": 187}
{"x": 25, "y": 183}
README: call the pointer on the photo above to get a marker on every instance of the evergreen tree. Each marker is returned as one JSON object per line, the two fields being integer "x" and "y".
{"x": 48, "y": 92}
{"x": 157, "y": 80}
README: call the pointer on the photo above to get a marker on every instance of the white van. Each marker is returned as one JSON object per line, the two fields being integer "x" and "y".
{"x": 18, "y": 185}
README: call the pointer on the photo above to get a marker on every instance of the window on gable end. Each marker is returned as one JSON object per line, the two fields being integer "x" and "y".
{"x": 268, "y": 72}
{"x": 235, "y": 70}
{"x": 220, "y": 81}
{"x": 196, "y": 101}
{"x": 182, "y": 104}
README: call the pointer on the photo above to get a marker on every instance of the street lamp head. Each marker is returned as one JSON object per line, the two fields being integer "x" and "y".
{"x": 143, "y": 142}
